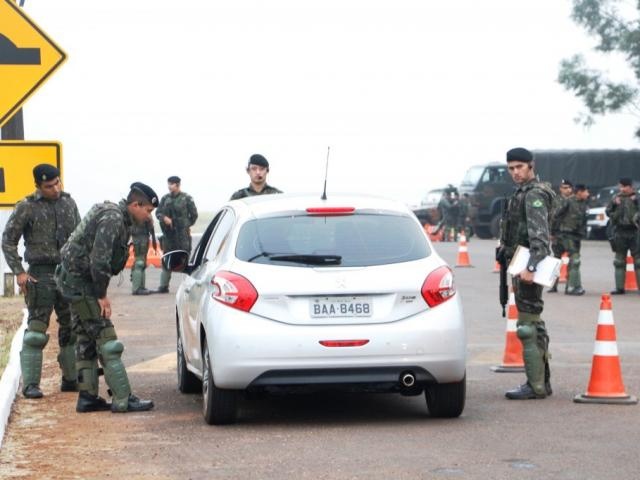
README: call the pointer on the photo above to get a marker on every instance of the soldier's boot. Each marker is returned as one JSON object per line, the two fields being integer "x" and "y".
{"x": 620, "y": 271}
{"x": 534, "y": 364}
{"x": 88, "y": 398}
{"x": 547, "y": 379}
{"x": 165, "y": 278}
{"x": 33, "y": 343}
{"x": 116, "y": 377}
{"x": 67, "y": 362}
{"x": 574, "y": 282}
{"x": 138, "y": 278}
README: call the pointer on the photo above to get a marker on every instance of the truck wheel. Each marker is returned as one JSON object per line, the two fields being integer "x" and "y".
{"x": 482, "y": 232}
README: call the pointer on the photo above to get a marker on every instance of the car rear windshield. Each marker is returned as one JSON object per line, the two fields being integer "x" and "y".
{"x": 345, "y": 241}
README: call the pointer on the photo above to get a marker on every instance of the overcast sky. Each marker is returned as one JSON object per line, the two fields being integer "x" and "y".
{"x": 408, "y": 94}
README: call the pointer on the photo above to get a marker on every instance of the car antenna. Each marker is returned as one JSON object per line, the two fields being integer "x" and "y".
{"x": 326, "y": 172}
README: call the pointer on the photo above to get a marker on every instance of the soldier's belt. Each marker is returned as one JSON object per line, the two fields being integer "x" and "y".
{"x": 42, "y": 268}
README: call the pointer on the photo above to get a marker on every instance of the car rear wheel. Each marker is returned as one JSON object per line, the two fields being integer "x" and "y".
{"x": 446, "y": 400}
{"x": 219, "y": 406}
{"x": 187, "y": 381}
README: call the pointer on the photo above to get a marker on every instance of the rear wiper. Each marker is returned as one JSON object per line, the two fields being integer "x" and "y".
{"x": 309, "y": 259}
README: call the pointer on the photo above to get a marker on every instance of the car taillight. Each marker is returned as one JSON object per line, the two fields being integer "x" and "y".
{"x": 438, "y": 286}
{"x": 234, "y": 290}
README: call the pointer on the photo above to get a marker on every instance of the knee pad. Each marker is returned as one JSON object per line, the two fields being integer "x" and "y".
{"x": 140, "y": 265}
{"x": 111, "y": 350}
{"x": 35, "y": 339}
{"x": 526, "y": 332}
{"x": 619, "y": 263}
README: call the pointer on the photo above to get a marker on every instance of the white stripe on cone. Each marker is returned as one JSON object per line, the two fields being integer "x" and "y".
{"x": 605, "y": 348}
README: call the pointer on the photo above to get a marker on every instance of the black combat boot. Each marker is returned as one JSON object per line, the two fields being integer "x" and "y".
{"x": 162, "y": 290}
{"x": 142, "y": 291}
{"x": 32, "y": 391}
{"x": 524, "y": 392}
{"x": 91, "y": 403}
{"x": 68, "y": 385}
{"x": 575, "y": 291}
{"x": 135, "y": 405}
{"x": 617, "y": 291}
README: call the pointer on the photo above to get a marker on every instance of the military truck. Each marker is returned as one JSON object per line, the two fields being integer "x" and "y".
{"x": 489, "y": 185}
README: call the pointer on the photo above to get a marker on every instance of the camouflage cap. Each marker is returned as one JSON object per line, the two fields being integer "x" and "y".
{"x": 45, "y": 172}
{"x": 519, "y": 155}
{"x": 147, "y": 191}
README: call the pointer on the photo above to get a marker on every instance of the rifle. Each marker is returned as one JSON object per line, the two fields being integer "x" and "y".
{"x": 503, "y": 288}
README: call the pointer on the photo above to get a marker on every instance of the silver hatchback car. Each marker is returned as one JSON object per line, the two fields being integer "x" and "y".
{"x": 294, "y": 293}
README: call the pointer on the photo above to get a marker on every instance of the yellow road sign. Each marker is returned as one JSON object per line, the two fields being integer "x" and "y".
{"x": 27, "y": 58}
{"x": 17, "y": 160}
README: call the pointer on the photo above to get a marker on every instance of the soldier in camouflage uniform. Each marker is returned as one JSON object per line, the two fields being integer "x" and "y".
{"x": 176, "y": 213}
{"x": 566, "y": 191}
{"x": 569, "y": 222}
{"x": 526, "y": 223}
{"x": 45, "y": 219}
{"x": 96, "y": 250}
{"x": 622, "y": 210}
{"x": 257, "y": 169}
{"x": 140, "y": 240}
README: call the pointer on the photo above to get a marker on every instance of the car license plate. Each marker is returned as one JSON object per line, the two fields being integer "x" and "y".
{"x": 333, "y": 307}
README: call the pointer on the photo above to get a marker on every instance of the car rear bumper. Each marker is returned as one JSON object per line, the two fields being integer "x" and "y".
{"x": 247, "y": 350}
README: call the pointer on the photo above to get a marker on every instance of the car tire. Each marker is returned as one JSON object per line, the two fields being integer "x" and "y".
{"x": 483, "y": 233}
{"x": 187, "y": 381}
{"x": 494, "y": 226}
{"x": 446, "y": 400}
{"x": 218, "y": 406}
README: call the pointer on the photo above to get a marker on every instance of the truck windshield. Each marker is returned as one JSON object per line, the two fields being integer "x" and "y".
{"x": 472, "y": 177}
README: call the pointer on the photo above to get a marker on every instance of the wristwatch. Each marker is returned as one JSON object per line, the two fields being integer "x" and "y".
{"x": 531, "y": 268}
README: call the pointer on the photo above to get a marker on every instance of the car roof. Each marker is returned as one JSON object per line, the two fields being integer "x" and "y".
{"x": 260, "y": 205}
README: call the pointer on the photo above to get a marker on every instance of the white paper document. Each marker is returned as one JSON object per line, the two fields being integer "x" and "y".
{"x": 546, "y": 271}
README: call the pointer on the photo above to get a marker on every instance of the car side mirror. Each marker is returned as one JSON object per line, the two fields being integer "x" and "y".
{"x": 176, "y": 261}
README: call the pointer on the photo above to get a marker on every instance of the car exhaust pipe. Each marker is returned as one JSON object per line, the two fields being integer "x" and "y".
{"x": 408, "y": 379}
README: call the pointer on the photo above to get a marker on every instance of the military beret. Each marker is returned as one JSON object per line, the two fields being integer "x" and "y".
{"x": 519, "y": 155}
{"x": 564, "y": 181}
{"x": 626, "y": 182}
{"x": 257, "y": 159}
{"x": 147, "y": 191}
{"x": 45, "y": 172}
{"x": 174, "y": 179}
{"x": 580, "y": 187}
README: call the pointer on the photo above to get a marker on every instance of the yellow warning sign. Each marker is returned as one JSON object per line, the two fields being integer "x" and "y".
{"x": 17, "y": 160}
{"x": 27, "y": 58}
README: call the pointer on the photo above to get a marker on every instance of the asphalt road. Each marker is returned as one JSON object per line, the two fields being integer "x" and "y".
{"x": 343, "y": 436}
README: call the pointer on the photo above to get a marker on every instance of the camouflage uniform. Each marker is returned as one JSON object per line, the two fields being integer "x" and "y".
{"x": 625, "y": 235}
{"x": 449, "y": 207}
{"x": 182, "y": 211}
{"x": 45, "y": 225}
{"x": 97, "y": 250}
{"x": 250, "y": 192}
{"x": 526, "y": 223}
{"x": 569, "y": 225}
{"x": 140, "y": 240}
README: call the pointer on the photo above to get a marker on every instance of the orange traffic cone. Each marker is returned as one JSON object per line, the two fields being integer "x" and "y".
{"x": 154, "y": 255}
{"x": 432, "y": 234}
{"x": 630, "y": 282}
{"x": 605, "y": 384}
{"x": 512, "y": 360}
{"x": 463, "y": 253}
{"x": 564, "y": 268}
